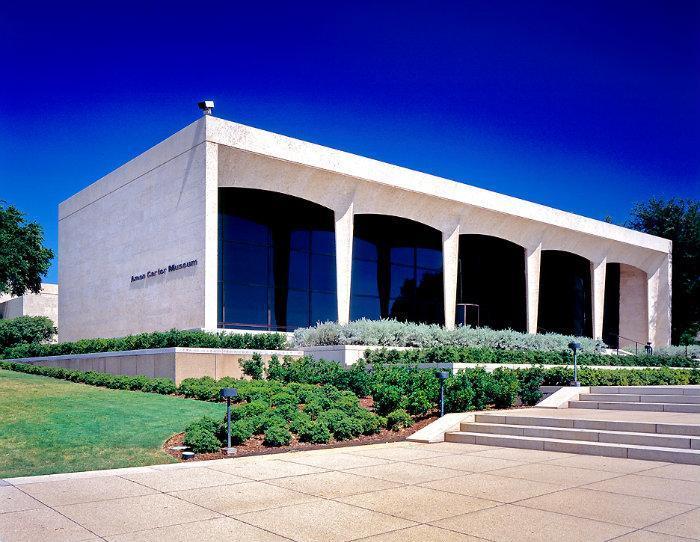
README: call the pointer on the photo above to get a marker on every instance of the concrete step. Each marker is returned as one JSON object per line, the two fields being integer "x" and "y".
{"x": 647, "y": 407}
{"x": 599, "y": 425}
{"x": 590, "y": 435}
{"x": 653, "y": 453}
{"x": 648, "y": 390}
{"x": 629, "y": 398}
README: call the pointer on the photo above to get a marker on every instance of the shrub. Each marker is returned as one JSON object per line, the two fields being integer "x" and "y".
{"x": 25, "y": 330}
{"x": 277, "y": 435}
{"x": 530, "y": 382}
{"x": 460, "y": 354}
{"x": 417, "y": 402}
{"x": 386, "y": 398}
{"x": 300, "y": 422}
{"x": 241, "y": 431}
{"x": 252, "y": 367}
{"x": 341, "y": 425}
{"x": 459, "y": 393}
{"x": 158, "y": 339}
{"x": 205, "y": 423}
{"x": 398, "y": 419}
{"x": 316, "y": 432}
{"x": 202, "y": 441}
{"x": 395, "y": 333}
{"x": 505, "y": 389}
{"x": 275, "y": 371}
{"x": 369, "y": 422}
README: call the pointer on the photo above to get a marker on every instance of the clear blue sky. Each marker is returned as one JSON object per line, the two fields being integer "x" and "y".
{"x": 587, "y": 106}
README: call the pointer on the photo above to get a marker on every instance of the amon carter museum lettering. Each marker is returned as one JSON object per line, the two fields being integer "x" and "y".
{"x": 163, "y": 270}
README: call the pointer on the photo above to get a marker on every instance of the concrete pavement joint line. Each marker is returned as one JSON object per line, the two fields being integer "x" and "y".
{"x": 646, "y": 527}
{"x": 219, "y": 514}
{"x": 520, "y": 504}
{"x": 60, "y": 514}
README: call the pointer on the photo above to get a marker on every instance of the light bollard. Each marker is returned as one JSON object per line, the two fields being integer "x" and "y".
{"x": 442, "y": 376}
{"x": 228, "y": 393}
{"x": 575, "y": 347}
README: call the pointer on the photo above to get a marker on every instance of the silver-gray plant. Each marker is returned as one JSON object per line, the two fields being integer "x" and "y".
{"x": 395, "y": 333}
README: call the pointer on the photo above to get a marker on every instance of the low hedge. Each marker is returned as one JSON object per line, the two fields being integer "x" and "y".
{"x": 391, "y": 332}
{"x": 276, "y": 411}
{"x": 664, "y": 376}
{"x": 164, "y": 386}
{"x": 451, "y": 354}
{"x": 158, "y": 339}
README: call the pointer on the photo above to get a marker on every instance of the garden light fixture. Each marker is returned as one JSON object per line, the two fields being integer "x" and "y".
{"x": 575, "y": 347}
{"x": 228, "y": 393}
{"x": 442, "y": 376}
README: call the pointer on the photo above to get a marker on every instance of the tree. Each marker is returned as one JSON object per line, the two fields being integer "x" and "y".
{"x": 25, "y": 329}
{"x": 23, "y": 257}
{"x": 679, "y": 221}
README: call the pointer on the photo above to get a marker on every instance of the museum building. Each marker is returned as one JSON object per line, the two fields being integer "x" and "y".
{"x": 224, "y": 226}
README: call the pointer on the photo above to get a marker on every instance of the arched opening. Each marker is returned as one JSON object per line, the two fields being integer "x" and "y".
{"x": 565, "y": 294}
{"x": 491, "y": 276}
{"x": 276, "y": 261}
{"x": 625, "y": 323}
{"x": 396, "y": 270}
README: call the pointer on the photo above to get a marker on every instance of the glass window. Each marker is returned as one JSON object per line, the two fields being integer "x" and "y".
{"x": 365, "y": 307}
{"x": 363, "y": 249}
{"x": 323, "y": 272}
{"x": 364, "y": 278}
{"x": 323, "y": 242}
{"x": 403, "y": 255}
{"x": 276, "y": 260}
{"x": 245, "y": 264}
{"x": 299, "y": 271}
{"x": 245, "y": 304}
{"x": 324, "y": 307}
{"x": 397, "y": 270}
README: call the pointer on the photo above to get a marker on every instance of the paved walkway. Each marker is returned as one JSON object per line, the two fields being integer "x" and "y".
{"x": 400, "y": 492}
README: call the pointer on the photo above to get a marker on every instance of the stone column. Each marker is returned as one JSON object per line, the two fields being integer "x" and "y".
{"x": 211, "y": 241}
{"x": 598, "y": 269}
{"x": 344, "y": 222}
{"x": 450, "y": 264}
{"x": 659, "y": 303}
{"x": 533, "y": 256}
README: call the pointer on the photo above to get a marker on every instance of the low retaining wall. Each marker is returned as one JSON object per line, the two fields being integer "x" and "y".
{"x": 180, "y": 363}
{"x": 173, "y": 363}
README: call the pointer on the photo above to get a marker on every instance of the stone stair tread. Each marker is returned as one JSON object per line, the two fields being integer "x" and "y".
{"x": 683, "y": 441}
{"x": 631, "y": 433}
{"x": 633, "y": 451}
{"x": 621, "y": 405}
{"x": 640, "y": 398}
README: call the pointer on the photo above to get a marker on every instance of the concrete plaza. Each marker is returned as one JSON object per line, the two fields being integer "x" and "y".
{"x": 383, "y": 493}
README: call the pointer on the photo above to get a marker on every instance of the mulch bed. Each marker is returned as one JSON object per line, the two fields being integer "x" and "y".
{"x": 255, "y": 446}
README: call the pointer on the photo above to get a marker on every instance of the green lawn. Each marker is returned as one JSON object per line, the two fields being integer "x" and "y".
{"x": 49, "y": 425}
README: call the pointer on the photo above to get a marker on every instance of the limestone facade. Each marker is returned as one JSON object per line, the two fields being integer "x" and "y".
{"x": 160, "y": 209}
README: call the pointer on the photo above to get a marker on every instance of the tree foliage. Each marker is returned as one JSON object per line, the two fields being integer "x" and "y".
{"x": 679, "y": 221}
{"x": 23, "y": 257}
{"x": 25, "y": 330}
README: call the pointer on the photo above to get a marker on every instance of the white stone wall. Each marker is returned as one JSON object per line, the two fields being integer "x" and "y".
{"x": 161, "y": 209}
{"x": 145, "y": 216}
{"x": 45, "y": 303}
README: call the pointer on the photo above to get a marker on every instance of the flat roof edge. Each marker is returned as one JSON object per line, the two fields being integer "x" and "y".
{"x": 293, "y": 150}
{"x": 174, "y": 145}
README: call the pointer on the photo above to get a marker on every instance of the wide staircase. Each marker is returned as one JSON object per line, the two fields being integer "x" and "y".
{"x": 660, "y": 423}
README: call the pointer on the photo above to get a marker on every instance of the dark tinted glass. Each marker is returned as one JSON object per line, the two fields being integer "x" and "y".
{"x": 276, "y": 260}
{"x": 397, "y": 270}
